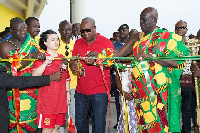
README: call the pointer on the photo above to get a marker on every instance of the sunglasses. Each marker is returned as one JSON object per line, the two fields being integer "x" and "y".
{"x": 85, "y": 30}
{"x": 66, "y": 53}
{"x": 182, "y": 27}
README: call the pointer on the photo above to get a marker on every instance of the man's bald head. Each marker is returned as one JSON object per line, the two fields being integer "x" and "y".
{"x": 88, "y": 30}
{"x": 148, "y": 19}
{"x": 64, "y": 22}
{"x": 65, "y": 29}
{"x": 152, "y": 11}
{"x": 89, "y": 19}
{"x": 181, "y": 28}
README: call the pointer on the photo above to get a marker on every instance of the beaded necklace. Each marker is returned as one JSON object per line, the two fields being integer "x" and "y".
{"x": 141, "y": 35}
{"x": 17, "y": 48}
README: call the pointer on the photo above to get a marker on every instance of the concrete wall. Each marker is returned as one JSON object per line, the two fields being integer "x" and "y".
{"x": 6, "y": 14}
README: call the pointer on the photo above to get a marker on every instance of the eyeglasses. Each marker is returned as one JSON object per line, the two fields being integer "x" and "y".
{"x": 181, "y": 27}
{"x": 66, "y": 53}
{"x": 85, "y": 30}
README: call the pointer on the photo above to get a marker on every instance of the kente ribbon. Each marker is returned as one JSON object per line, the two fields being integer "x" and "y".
{"x": 146, "y": 74}
{"x": 101, "y": 61}
{"x": 14, "y": 66}
{"x": 195, "y": 57}
{"x": 104, "y": 59}
{"x": 81, "y": 69}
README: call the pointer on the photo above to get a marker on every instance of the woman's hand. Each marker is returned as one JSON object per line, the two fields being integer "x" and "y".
{"x": 48, "y": 60}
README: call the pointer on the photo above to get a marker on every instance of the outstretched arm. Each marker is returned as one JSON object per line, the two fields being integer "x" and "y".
{"x": 124, "y": 51}
{"x": 166, "y": 63}
{"x": 9, "y": 81}
{"x": 128, "y": 47}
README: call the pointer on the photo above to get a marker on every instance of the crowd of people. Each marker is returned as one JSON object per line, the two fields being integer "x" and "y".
{"x": 150, "y": 95}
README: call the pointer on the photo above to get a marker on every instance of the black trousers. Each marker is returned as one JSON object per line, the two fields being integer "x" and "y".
{"x": 116, "y": 93}
{"x": 186, "y": 108}
{"x": 4, "y": 121}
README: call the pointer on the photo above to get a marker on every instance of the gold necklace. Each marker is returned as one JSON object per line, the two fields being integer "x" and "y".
{"x": 141, "y": 35}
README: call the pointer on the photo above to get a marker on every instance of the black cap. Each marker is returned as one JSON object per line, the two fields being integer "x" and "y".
{"x": 123, "y": 26}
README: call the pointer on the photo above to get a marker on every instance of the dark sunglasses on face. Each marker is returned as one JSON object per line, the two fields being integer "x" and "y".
{"x": 66, "y": 53}
{"x": 85, "y": 30}
{"x": 182, "y": 27}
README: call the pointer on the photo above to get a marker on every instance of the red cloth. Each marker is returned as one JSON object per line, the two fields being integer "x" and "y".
{"x": 52, "y": 99}
{"x": 92, "y": 83}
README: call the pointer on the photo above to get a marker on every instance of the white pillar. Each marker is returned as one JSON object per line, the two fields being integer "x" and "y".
{"x": 78, "y": 10}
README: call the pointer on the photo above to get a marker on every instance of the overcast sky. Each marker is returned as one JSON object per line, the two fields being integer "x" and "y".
{"x": 110, "y": 14}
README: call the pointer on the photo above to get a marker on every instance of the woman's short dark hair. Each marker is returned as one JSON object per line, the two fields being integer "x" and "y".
{"x": 43, "y": 38}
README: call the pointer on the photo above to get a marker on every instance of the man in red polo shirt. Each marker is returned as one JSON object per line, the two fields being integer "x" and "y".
{"x": 90, "y": 90}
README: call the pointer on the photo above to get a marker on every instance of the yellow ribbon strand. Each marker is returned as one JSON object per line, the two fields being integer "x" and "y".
{"x": 125, "y": 106}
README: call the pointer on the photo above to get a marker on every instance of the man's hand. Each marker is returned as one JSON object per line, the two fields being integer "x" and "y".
{"x": 141, "y": 56}
{"x": 89, "y": 60}
{"x": 73, "y": 66}
{"x": 197, "y": 73}
{"x": 135, "y": 37}
{"x": 56, "y": 76}
{"x": 128, "y": 96}
{"x": 38, "y": 55}
{"x": 194, "y": 68}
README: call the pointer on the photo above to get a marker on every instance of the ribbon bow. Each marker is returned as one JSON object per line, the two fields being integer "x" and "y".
{"x": 103, "y": 59}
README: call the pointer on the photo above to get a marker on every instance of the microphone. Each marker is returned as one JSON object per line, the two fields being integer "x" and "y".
{"x": 63, "y": 66}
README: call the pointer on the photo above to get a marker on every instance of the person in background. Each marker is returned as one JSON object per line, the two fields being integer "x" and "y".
{"x": 116, "y": 37}
{"x": 198, "y": 35}
{"x": 53, "y": 99}
{"x": 191, "y": 36}
{"x": 185, "y": 82}
{"x": 1, "y": 36}
{"x": 76, "y": 34}
{"x": 5, "y": 34}
{"x": 66, "y": 47}
{"x": 124, "y": 86}
{"x": 114, "y": 92}
{"x": 33, "y": 28}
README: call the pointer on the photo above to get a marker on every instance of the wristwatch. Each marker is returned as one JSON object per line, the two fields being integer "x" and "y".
{"x": 153, "y": 55}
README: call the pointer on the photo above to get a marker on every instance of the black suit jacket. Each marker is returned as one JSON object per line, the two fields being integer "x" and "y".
{"x": 9, "y": 81}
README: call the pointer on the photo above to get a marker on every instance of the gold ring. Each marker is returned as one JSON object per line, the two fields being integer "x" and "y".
{"x": 140, "y": 59}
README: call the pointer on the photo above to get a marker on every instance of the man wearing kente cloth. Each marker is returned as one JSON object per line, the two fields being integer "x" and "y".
{"x": 22, "y": 102}
{"x": 156, "y": 86}
{"x": 33, "y": 28}
{"x": 155, "y": 83}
